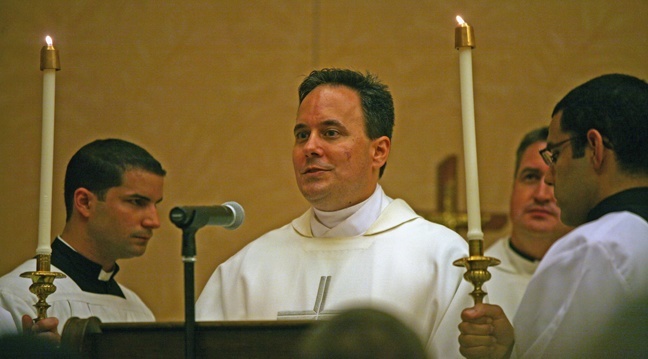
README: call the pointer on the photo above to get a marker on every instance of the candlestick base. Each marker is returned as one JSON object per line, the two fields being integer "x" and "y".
{"x": 477, "y": 268}
{"x": 42, "y": 284}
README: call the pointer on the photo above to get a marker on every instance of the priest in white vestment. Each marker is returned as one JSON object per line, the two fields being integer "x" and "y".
{"x": 112, "y": 188}
{"x": 535, "y": 226}
{"x": 355, "y": 246}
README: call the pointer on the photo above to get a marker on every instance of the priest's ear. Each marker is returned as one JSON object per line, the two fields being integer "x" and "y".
{"x": 84, "y": 201}
{"x": 381, "y": 147}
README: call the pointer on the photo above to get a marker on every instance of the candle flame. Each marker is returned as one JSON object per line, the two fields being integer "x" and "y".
{"x": 48, "y": 39}
{"x": 460, "y": 20}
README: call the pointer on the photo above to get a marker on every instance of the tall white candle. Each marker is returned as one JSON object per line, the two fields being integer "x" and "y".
{"x": 49, "y": 66}
{"x": 464, "y": 42}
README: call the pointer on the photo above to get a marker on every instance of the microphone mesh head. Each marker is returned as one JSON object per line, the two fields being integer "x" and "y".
{"x": 239, "y": 214}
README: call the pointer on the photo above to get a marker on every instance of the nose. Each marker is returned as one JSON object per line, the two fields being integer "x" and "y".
{"x": 152, "y": 218}
{"x": 312, "y": 146}
{"x": 543, "y": 192}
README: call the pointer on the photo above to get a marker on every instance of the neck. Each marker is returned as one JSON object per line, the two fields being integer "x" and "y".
{"x": 76, "y": 237}
{"x": 532, "y": 246}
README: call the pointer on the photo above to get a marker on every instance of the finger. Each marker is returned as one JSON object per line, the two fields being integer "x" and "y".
{"x": 481, "y": 320}
{"x": 46, "y": 324}
{"x": 474, "y": 341}
{"x": 476, "y": 329}
{"x": 27, "y": 324}
{"x": 476, "y": 352}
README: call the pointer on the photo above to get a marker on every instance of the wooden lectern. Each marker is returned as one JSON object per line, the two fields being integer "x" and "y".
{"x": 236, "y": 339}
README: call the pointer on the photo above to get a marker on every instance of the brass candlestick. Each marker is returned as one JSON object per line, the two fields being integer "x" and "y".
{"x": 476, "y": 263}
{"x": 43, "y": 279}
{"x": 42, "y": 283}
{"x": 477, "y": 268}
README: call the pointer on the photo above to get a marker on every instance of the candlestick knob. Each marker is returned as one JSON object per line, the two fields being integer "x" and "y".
{"x": 42, "y": 284}
{"x": 477, "y": 268}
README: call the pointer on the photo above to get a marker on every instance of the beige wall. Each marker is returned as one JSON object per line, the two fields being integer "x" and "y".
{"x": 210, "y": 89}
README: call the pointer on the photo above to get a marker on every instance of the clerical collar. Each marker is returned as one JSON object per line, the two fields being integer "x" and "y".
{"x": 519, "y": 253}
{"x": 350, "y": 221}
{"x": 88, "y": 275}
{"x": 633, "y": 200}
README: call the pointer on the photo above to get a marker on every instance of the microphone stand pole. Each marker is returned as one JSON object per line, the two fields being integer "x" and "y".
{"x": 190, "y": 221}
{"x": 189, "y": 259}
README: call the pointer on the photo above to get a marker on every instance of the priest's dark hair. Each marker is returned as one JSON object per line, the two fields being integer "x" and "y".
{"x": 376, "y": 100}
{"x": 100, "y": 165}
{"x": 533, "y": 136}
{"x": 615, "y": 105}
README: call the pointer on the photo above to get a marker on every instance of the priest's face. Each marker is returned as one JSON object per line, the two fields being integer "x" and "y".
{"x": 121, "y": 224}
{"x": 573, "y": 178}
{"x": 533, "y": 209}
{"x": 336, "y": 164}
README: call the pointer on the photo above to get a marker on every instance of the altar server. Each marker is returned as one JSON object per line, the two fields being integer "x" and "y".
{"x": 112, "y": 188}
{"x": 597, "y": 150}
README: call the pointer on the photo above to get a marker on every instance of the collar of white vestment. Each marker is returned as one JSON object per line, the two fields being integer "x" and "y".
{"x": 521, "y": 263}
{"x": 348, "y": 222}
{"x": 395, "y": 213}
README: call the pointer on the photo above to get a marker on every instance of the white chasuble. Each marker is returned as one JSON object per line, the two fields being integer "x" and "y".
{"x": 402, "y": 264}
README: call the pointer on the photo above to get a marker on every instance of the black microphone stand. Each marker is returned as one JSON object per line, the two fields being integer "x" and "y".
{"x": 189, "y": 259}
{"x": 185, "y": 221}
{"x": 190, "y": 220}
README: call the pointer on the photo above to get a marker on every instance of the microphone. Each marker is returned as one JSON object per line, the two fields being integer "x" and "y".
{"x": 229, "y": 215}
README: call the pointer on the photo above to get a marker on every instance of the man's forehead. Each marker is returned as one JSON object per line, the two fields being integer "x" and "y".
{"x": 137, "y": 180}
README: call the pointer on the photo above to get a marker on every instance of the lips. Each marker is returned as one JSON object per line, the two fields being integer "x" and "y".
{"x": 144, "y": 236}
{"x": 313, "y": 170}
{"x": 541, "y": 210}
{"x": 316, "y": 166}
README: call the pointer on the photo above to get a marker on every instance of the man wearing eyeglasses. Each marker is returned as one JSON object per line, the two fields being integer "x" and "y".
{"x": 597, "y": 150}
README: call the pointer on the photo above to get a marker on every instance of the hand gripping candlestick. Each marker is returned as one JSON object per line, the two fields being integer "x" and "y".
{"x": 43, "y": 279}
{"x": 476, "y": 264}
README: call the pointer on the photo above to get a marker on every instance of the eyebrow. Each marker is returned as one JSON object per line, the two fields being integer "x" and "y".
{"x": 299, "y": 126}
{"x": 534, "y": 170}
{"x": 139, "y": 196}
{"x": 325, "y": 123}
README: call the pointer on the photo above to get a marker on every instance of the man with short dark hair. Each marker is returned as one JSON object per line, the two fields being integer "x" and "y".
{"x": 597, "y": 150}
{"x": 355, "y": 246}
{"x": 112, "y": 188}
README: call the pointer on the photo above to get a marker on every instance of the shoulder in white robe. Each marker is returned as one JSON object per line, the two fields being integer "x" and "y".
{"x": 401, "y": 264}
{"x": 581, "y": 282}
{"x": 68, "y": 300}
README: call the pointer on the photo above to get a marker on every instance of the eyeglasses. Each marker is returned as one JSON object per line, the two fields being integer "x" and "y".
{"x": 550, "y": 155}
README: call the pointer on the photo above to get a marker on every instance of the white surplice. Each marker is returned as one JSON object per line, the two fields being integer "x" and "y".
{"x": 68, "y": 300}
{"x": 585, "y": 277}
